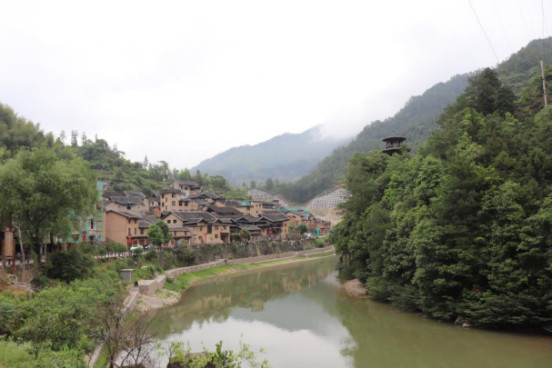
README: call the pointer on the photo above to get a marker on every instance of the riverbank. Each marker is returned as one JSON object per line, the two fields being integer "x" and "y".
{"x": 174, "y": 286}
{"x": 354, "y": 288}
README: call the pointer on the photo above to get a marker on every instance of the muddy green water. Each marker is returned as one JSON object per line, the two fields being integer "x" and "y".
{"x": 301, "y": 318}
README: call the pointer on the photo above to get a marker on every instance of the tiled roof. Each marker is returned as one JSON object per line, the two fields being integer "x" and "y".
{"x": 223, "y": 210}
{"x": 194, "y": 216}
{"x": 274, "y": 216}
{"x": 249, "y": 218}
{"x": 250, "y": 227}
{"x": 170, "y": 190}
{"x": 126, "y": 200}
{"x": 135, "y": 194}
{"x": 146, "y": 221}
{"x": 125, "y": 214}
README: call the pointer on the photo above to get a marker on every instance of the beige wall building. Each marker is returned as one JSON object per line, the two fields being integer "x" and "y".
{"x": 120, "y": 225}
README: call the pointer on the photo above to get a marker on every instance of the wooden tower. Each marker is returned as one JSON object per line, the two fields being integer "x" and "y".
{"x": 393, "y": 144}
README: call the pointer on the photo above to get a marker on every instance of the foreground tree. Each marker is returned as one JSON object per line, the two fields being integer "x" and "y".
{"x": 158, "y": 233}
{"x": 42, "y": 192}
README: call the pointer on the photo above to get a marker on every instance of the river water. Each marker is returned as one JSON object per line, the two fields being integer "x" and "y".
{"x": 301, "y": 318}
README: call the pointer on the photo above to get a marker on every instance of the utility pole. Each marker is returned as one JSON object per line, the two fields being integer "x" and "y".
{"x": 543, "y": 84}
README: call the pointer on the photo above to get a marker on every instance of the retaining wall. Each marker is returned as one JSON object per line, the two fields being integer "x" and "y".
{"x": 269, "y": 257}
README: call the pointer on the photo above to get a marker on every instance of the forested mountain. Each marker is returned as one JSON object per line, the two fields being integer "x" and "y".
{"x": 461, "y": 230}
{"x": 109, "y": 164}
{"x": 415, "y": 121}
{"x": 285, "y": 157}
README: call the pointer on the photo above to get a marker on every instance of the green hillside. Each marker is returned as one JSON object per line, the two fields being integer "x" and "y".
{"x": 461, "y": 230}
{"x": 415, "y": 121}
{"x": 109, "y": 164}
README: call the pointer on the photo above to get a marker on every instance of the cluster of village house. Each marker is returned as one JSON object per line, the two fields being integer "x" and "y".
{"x": 194, "y": 217}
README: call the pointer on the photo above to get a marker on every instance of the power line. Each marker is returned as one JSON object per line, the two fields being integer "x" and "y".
{"x": 502, "y": 26}
{"x": 542, "y": 10}
{"x": 523, "y": 20}
{"x": 484, "y": 32}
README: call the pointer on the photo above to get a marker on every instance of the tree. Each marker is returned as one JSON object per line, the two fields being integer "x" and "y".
{"x": 74, "y": 138}
{"x": 42, "y": 193}
{"x": 159, "y": 233}
{"x": 269, "y": 184}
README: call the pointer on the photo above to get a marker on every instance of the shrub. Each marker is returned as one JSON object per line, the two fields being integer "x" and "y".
{"x": 70, "y": 265}
{"x": 151, "y": 255}
{"x": 185, "y": 255}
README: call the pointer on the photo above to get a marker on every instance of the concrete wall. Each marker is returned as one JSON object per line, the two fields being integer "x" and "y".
{"x": 149, "y": 287}
{"x": 179, "y": 271}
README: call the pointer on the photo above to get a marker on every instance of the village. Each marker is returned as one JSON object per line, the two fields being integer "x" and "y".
{"x": 194, "y": 218}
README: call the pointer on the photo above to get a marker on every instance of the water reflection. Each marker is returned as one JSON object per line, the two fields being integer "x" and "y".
{"x": 300, "y": 317}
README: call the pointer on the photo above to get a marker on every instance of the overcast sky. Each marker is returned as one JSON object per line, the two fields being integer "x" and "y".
{"x": 184, "y": 80}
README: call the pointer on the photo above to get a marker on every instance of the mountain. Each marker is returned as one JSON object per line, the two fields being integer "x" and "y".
{"x": 285, "y": 157}
{"x": 416, "y": 120}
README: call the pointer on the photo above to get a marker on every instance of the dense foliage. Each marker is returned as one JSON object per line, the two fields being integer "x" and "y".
{"x": 464, "y": 227}
{"x": 42, "y": 191}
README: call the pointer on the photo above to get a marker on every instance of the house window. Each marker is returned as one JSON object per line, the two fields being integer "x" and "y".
{"x": 129, "y": 231}
{"x": 141, "y": 231}
{"x": 216, "y": 227}
{"x": 180, "y": 203}
{"x": 174, "y": 221}
{"x": 91, "y": 224}
{"x": 135, "y": 231}
{"x": 168, "y": 221}
{"x": 172, "y": 195}
{"x": 223, "y": 227}
{"x": 129, "y": 221}
{"x": 201, "y": 228}
{"x": 216, "y": 236}
{"x": 173, "y": 203}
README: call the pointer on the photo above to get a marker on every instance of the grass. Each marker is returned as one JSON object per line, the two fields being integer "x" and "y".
{"x": 184, "y": 281}
{"x": 320, "y": 255}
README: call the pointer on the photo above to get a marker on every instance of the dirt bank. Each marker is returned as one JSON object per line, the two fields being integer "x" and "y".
{"x": 354, "y": 288}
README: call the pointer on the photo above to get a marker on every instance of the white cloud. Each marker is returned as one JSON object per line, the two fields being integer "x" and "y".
{"x": 183, "y": 80}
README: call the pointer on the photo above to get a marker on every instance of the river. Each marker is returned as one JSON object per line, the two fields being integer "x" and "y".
{"x": 301, "y": 318}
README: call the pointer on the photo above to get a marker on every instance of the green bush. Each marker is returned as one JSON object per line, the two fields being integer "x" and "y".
{"x": 70, "y": 265}
{"x": 151, "y": 256}
{"x": 65, "y": 315}
{"x": 25, "y": 355}
{"x": 185, "y": 255}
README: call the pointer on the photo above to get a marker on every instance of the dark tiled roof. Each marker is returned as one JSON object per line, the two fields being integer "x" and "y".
{"x": 125, "y": 214}
{"x": 205, "y": 195}
{"x": 146, "y": 221}
{"x": 194, "y": 216}
{"x": 170, "y": 190}
{"x": 180, "y": 228}
{"x": 249, "y": 218}
{"x": 274, "y": 216}
{"x": 250, "y": 227}
{"x": 113, "y": 194}
{"x": 135, "y": 194}
{"x": 223, "y": 210}
{"x": 126, "y": 200}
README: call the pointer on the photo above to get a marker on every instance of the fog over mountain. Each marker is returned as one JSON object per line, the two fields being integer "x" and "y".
{"x": 285, "y": 157}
